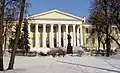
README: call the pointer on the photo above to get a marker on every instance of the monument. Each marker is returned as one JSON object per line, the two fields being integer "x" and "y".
{"x": 69, "y": 47}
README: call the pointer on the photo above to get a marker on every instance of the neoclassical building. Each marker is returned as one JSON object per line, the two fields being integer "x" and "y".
{"x": 50, "y": 29}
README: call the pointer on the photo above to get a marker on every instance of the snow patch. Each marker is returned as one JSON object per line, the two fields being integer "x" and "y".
{"x": 38, "y": 50}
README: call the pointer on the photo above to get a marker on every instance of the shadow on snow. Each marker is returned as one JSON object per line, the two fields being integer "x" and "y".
{"x": 89, "y": 66}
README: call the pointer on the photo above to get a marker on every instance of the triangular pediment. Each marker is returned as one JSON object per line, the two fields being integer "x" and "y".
{"x": 55, "y": 14}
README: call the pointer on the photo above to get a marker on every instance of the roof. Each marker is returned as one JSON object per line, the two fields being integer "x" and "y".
{"x": 57, "y": 15}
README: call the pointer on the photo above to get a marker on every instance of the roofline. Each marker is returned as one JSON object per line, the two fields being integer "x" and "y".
{"x": 77, "y": 17}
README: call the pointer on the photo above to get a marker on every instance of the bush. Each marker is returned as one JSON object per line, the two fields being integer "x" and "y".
{"x": 78, "y": 50}
{"x": 19, "y": 52}
{"x": 42, "y": 54}
{"x": 56, "y": 52}
{"x": 32, "y": 53}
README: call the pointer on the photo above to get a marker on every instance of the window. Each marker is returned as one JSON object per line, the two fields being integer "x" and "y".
{"x": 93, "y": 30}
{"x": 116, "y": 31}
{"x": 86, "y": 40}
{"x": 93, "y": 40}
{"x": 87, "y": 30}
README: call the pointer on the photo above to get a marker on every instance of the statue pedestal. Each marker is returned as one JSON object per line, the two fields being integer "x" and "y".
{"x": 69, "y": 49}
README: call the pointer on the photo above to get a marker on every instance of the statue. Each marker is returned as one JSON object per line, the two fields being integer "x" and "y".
{"x": 69, "y": 47}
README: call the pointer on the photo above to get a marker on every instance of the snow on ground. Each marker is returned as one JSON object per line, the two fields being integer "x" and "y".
{"x": 38, "y": 50}
{"x": 67, "y": 64}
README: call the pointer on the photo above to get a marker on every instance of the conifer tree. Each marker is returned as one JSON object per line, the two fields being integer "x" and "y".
{"x": 24, "y": 37}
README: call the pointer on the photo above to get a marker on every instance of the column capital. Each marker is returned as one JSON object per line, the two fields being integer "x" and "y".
{"x": 74, "y": 24}
{"x": 66, "y": 24}
{"x": 51, "y": 24}
{"x": 59, "y": 24}
{"x": 37, "y": 24}
{"x": 44, "y": 24}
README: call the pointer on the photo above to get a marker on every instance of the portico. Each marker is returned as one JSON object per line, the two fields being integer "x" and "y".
{"x": 50, "y": 29}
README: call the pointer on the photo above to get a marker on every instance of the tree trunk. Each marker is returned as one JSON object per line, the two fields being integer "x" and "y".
{"x": 117, "y": 42}
{"x": 107, "y": 27}
{"x": 98, "y": 43}
{"x": 107, "y": 46}
{"x": 18, "y": 30}
{"x": 2, "y": 2}
{"x": 103, "y": 46}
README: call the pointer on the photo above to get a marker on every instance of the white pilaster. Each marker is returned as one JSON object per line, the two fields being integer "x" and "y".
{"x": 44, "y": 35}
{"x": 52, "y": 37}
{"x": 78, "y": 36}
{"x": 74, "y": 35}
{"x": 81, "y": 35}
{"x": 36, "y": 36}
{"x": 66, "y": 35}
{"x": 59, "y": 34}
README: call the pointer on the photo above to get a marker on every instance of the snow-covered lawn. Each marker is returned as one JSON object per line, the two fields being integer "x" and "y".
{"x": 67, "y": 64}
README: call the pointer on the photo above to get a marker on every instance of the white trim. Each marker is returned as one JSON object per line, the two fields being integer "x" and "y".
{"x": 76, "y": 17}
{"x": 53, "y": 22}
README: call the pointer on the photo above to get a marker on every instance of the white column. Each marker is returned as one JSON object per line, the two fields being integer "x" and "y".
{"x": 59, "y": 34}
{"x": 74, "y": 36}
{"x": 71, "y": 34}
{"x": 36, "y": 36}
{"x": 78, "y": 36}
{"x": 29, "y": 28}
{"x": 66, "y": 34}
{"x": 29, "y": 31}
{"x": 64, "y": 37}
{"x": 44, "y": 35}
{"x": 57, "y": 37}
{"x": 52, "y": 37}
{"x": 29, "y": 35}
{"x": 81, "y": 35}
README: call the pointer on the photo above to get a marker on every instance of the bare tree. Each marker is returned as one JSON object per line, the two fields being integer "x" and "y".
{"x": 107, "y": 27}
{"x": 115, "y": 12}
{"x": 12, "y": 58}
{"x": 104, "y": 14}
{"x": 2, "y": 3}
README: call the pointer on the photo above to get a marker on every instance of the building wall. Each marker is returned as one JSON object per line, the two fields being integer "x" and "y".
{"x": 86, "y": 34}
